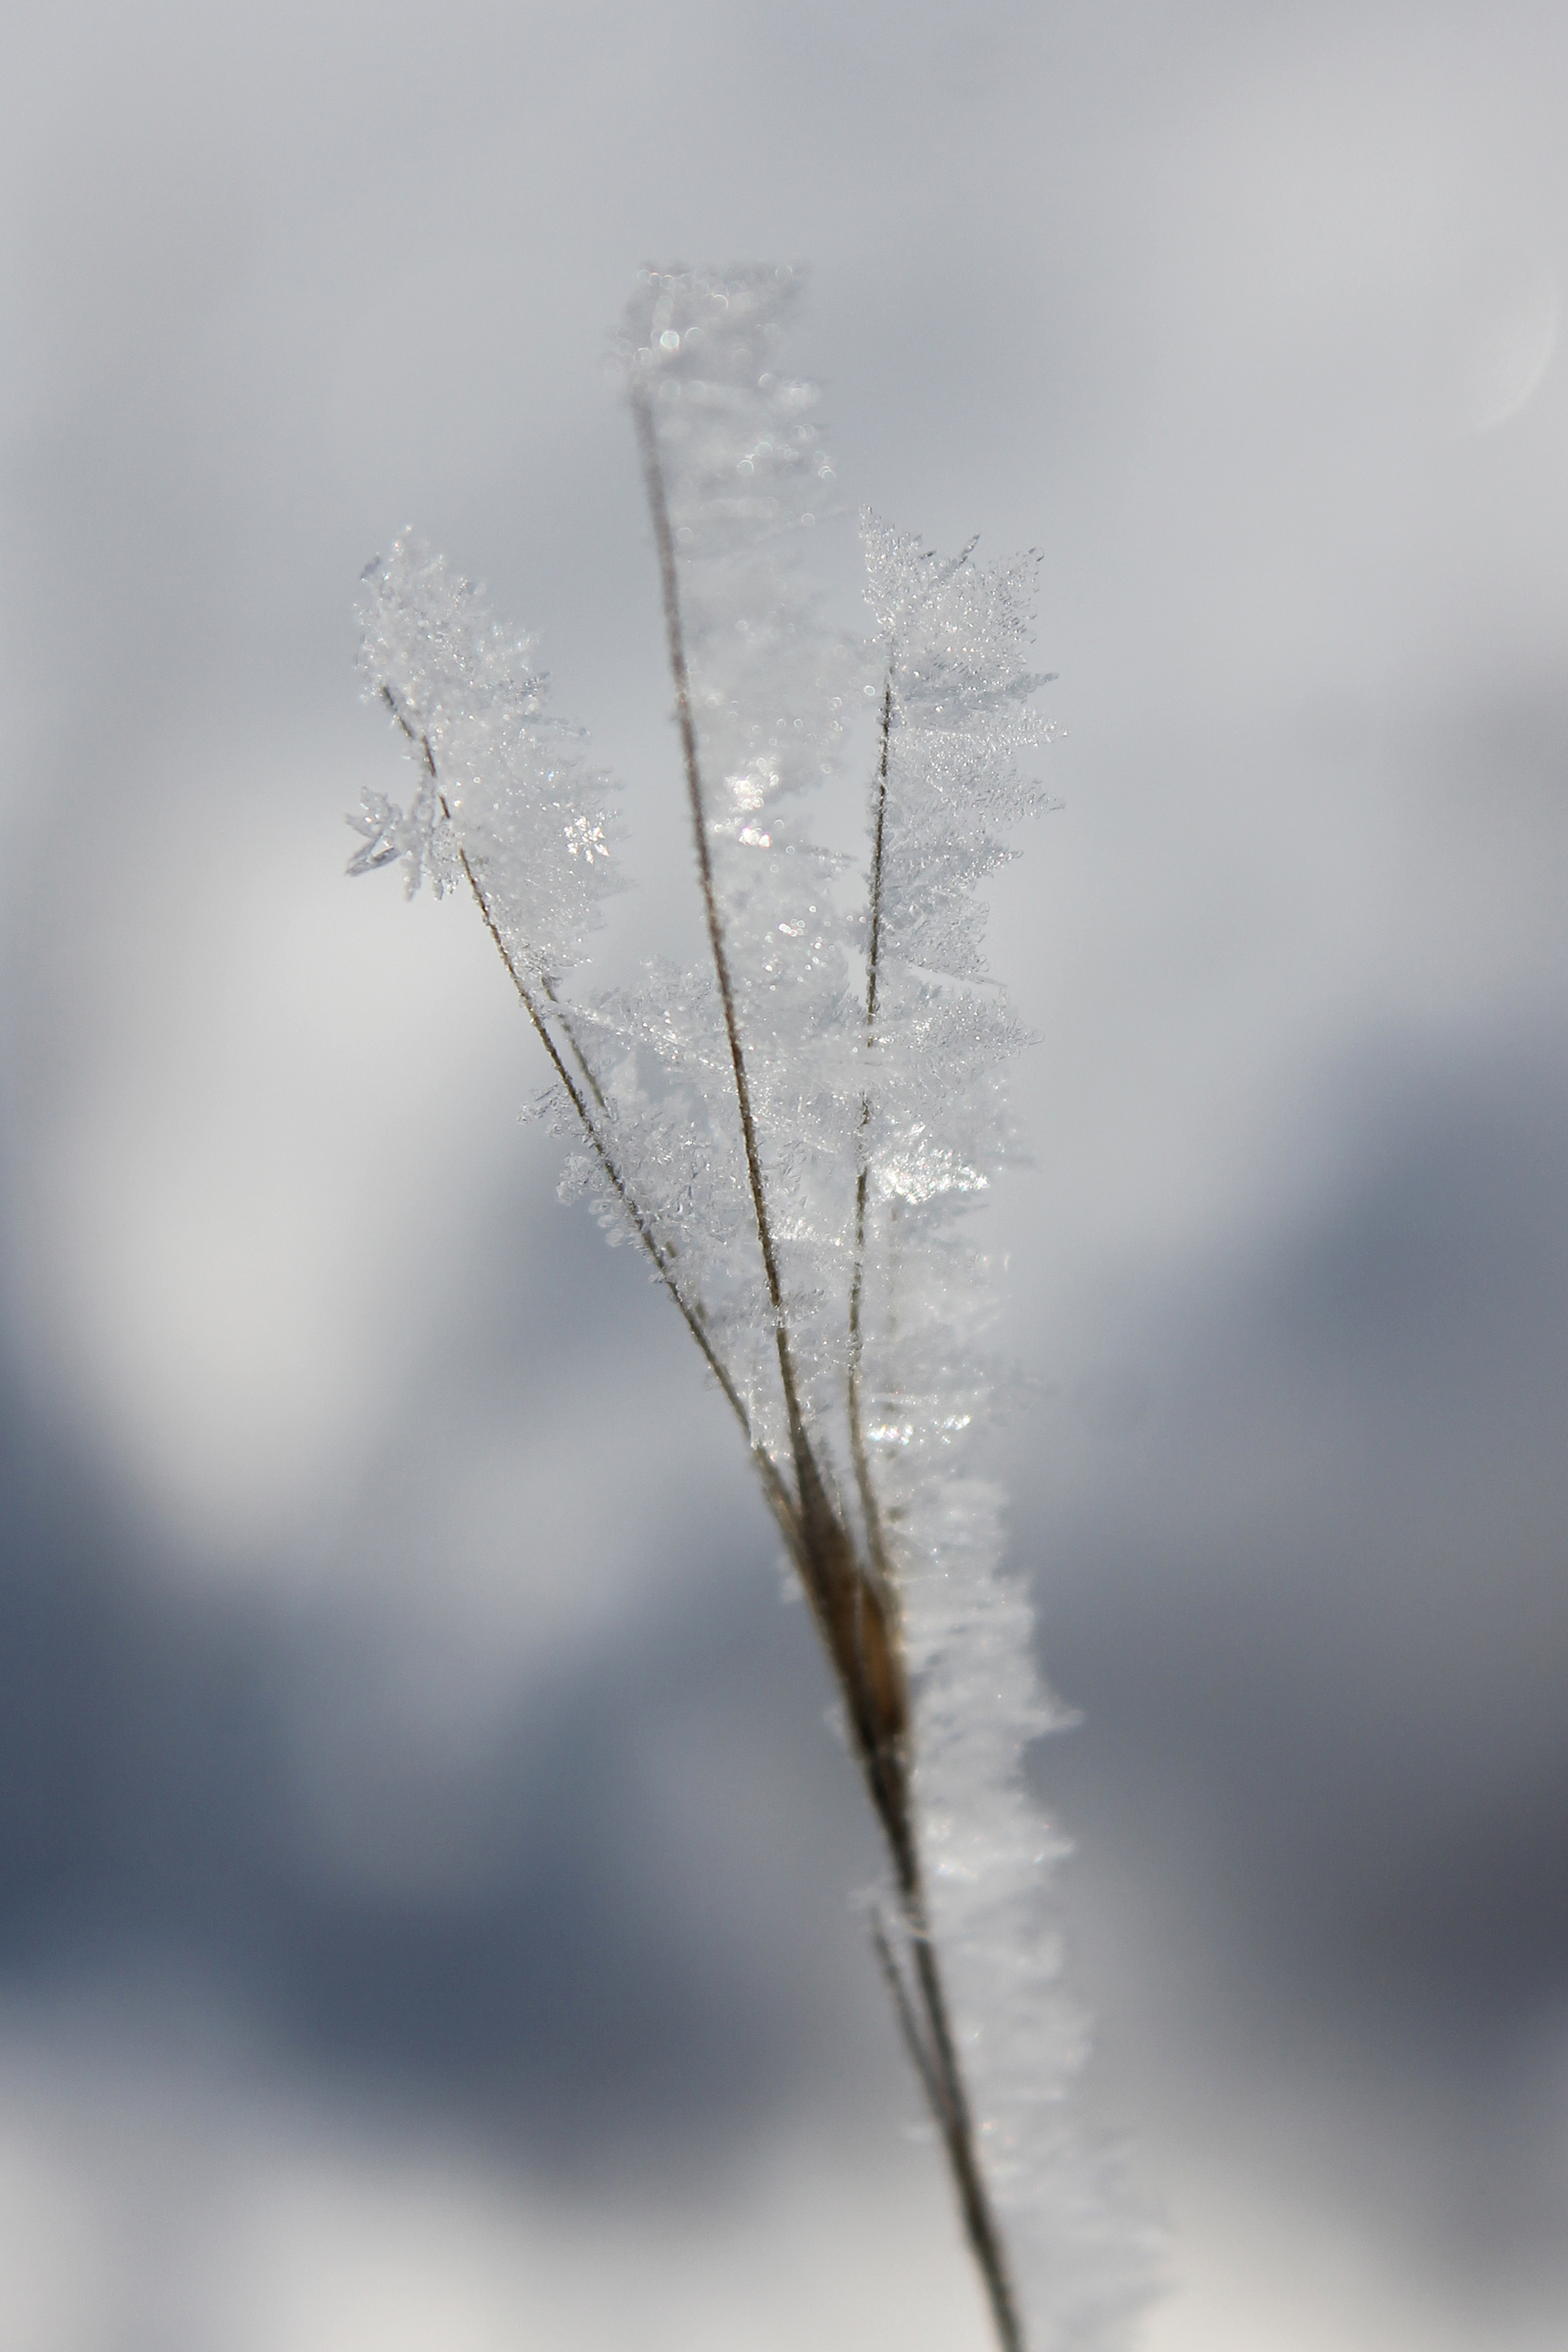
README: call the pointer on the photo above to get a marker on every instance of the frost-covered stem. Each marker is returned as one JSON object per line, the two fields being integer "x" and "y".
{"x": 777, "y": 1496}
{"x": 875, "y": 943}
{"x": 957, "y": 2125}
{"x": 863, "y": 1466}
{"x": 853, "y": 1609}
{"x": 669, "y": 586}
{"x": 856, "y": 1606}
{"x": 930, "y": 2044}
{"x": 927, "y": 2035}
{"x": 909, "y": 2020}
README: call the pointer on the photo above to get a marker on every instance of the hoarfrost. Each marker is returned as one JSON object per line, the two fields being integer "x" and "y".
{"x": 952, "y": 640}
{"x": 821, "y": 1255}
{"x": 501, "y": 783}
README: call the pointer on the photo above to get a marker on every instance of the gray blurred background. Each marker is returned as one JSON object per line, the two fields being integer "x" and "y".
{"x": 424, "y": 1873}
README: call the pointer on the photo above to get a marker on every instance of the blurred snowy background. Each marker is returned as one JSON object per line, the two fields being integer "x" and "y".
{"x": 423, "y": 1870}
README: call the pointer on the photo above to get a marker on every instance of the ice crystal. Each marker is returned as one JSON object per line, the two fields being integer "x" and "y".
{"x": 501, "y": 782}
{"x": 797, "y": 1134}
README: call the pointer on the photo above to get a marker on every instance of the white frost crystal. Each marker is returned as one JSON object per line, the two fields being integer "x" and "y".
{"x": 868, "y": 1042}
{"x": 500, "y": 781}
{"x": 951, "y": 639}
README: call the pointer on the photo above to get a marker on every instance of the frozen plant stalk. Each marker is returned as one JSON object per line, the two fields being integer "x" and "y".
{"x": 795, "y": 1135}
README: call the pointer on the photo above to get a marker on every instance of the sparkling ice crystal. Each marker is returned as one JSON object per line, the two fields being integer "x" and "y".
{"x": 873, "y": 1043}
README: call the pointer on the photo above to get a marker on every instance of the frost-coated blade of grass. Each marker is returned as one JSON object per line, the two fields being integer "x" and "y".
{"x": 797, "y": 1135}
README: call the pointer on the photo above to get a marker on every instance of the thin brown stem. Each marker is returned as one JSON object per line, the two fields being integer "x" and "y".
{"x": 807, "y": 1472}
{"x": 855, "y": 1608}
{"x": 870, "y": 1510}
{"x": 778, "y": 1494}
{"x": 927, "y": 2032}
{"x": 905, "y": 2010}
{"x": 932, "y": 2049}
{"x": 957, "y": 2124}
{"x": 873, "y": 951}
{"x": 579, "y": 1056}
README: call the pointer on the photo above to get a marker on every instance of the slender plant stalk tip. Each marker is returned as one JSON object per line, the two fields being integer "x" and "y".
{"x": 804, "y": 1210}
{"x": 852, "y": 1604}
